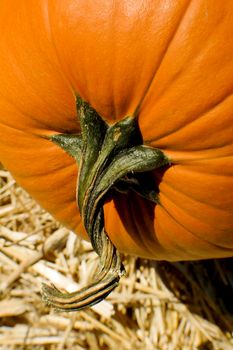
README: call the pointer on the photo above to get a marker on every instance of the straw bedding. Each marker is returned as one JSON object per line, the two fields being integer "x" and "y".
{"x": 160, "y": 306}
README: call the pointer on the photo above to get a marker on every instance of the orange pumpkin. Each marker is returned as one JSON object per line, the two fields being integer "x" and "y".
{"x": 172, "y": 62}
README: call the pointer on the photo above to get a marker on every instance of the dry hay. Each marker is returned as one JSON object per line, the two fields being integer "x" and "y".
{"x": 160, "y": 306}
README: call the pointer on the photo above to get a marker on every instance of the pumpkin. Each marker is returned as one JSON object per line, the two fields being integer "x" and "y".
{"x": 166, "y": 69}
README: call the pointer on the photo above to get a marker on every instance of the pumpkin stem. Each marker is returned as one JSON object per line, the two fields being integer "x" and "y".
{"x": 109, "y": 156}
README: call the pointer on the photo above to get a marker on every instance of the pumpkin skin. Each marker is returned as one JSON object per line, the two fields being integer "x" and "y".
{"x": 172, "y": 61}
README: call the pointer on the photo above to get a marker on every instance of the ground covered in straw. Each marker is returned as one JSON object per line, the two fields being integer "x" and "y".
{"x": 164, "y": 306}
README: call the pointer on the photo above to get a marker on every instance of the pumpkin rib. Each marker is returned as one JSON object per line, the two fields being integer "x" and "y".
{"x": 192, "y": 62}
{"x": 39, "y": 122}
{"x": 40, "y": 178}
{"x": 180, "y": 190}
{"x": 196, "y": 200}
{"x": 194, "y": 216}
{"x": 11, "y": 127}
{"x": 180, "y": 251}
{"x": 49, "y": 11}
{"x": 213, "y": 61}
{"x": 138, "y": 227}
{"x": 53, "y": 41}
{"x": 139, "y": 239}
{"x": 38, "y": 131}
{"x": 188, "y": 252}
{"x": 186, "y": 157}
{"x": 43, "y": 171}
{"x": 227, "y": 249}
{"x": 196, "y": 120}
{"x": 206, "y": 170}
{"x": 110, "y": 218}
{"x": 170, "y": 240}
{"x": 44, "y": 174}
{"x": 169, "y": 42}
{"x": 135, "y": 223}
{"x": 190, "y": 231}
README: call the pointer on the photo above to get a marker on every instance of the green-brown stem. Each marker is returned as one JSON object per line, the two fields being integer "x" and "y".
{"x": 108, "y": 156}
